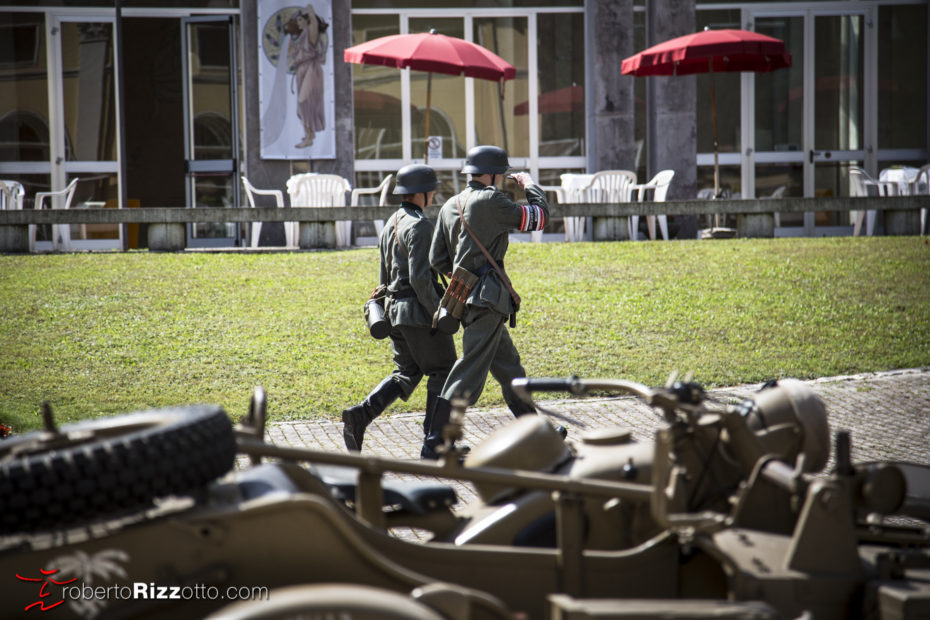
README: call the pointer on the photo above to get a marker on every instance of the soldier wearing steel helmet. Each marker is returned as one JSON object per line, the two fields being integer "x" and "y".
{"x": 486, "y": 343}
{"x": 412, "y": 298}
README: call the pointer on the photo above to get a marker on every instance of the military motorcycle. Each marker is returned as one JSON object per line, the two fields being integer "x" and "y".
{"x": 727, "y": 514}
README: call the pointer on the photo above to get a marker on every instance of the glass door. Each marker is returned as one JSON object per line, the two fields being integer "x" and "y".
{"x": 813, "y": 120}
{"x": 211, "y": 128}
{"x": 83, "y": 129}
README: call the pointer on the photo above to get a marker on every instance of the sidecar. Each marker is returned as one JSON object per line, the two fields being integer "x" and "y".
{"x": 144, "y": 516}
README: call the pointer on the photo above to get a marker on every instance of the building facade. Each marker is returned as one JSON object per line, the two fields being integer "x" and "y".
{"x": 159, "y": 104}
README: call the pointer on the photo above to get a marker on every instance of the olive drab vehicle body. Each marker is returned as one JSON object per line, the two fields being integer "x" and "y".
{"x": 728, "y": 513}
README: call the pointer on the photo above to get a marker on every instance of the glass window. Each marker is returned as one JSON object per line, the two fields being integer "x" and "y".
{"x": 560, "y": 73}
{"x": 451, "y": 182}
{"x": 457, "y": 4}
{"x": 447, "y": 96}
{"x": 727, "y": 94}
{"x": 210, "y": 90}
{"x": 838, "y": 74}
{"x": 730, "y": 182}
{"x": 89, "y": 91}
{"x": 24, "y": 130}
{"x": 902, "y": 76}
{"x": 495, "y": 121}
{"x": 780, "y": 94}
{"x": 377, "y": 98}
{"x": 779, "y": 180}
{"x": 96, "y": 191}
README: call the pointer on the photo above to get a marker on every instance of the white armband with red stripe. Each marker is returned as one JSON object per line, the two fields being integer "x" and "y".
{"x": 533, "y": 218}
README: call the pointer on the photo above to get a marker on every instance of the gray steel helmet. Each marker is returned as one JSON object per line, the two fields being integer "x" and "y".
{"x": 486, "y": 160}
{"x": 415, "y": 179}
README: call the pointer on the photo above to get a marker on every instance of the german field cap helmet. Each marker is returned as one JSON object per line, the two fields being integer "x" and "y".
{"x": 486, "y": 160}
{"x": 415, "y": 179}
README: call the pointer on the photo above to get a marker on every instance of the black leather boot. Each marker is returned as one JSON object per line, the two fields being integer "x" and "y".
{"x": 431, "y": 398}
{"x": 438, "y": 418}
{"x": 356, "y": 419}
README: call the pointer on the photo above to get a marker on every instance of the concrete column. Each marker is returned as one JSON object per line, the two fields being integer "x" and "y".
{"x": 611, "y": 143}
{"x": 671, "y": 108}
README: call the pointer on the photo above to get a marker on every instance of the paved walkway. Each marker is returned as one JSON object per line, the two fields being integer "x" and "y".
{"x": 887, "y": 412}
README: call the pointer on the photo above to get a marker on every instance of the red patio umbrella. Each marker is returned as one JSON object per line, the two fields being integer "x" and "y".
{"x": 710, "y": 51}
{"x": 434, "y": 53}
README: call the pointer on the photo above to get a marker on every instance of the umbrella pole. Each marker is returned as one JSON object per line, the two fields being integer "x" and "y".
{"x": 429, "y": 88}
{"x": 713, "y": 107}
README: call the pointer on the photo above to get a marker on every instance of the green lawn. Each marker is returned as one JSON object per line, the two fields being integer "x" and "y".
{"x": 100, "y": 334}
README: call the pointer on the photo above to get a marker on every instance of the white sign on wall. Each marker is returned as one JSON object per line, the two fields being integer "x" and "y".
{"x": 434, "y": 147}
{"x": 297, "y": 100}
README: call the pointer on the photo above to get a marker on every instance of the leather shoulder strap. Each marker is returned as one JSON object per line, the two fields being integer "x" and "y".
{"x": 487, "y": 255}
{"x": 397, "y": 239}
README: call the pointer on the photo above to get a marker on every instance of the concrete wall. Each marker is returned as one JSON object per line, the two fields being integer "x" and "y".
{"x": 274, "y": 173}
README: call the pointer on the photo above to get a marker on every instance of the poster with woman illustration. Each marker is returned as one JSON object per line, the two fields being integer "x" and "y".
{"x": 295, "y": 67}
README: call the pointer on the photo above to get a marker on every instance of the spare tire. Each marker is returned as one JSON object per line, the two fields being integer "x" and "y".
{"x": 104, "y": 467}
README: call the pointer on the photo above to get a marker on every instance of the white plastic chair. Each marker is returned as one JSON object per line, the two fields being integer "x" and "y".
{"x": 921, "y": 185}
{"x": 61, "y": 233}
{"x": 659, "y": 185}
{"x": 610, "y": 186}
{"x": 778, "y": 193}
{"x": 921, "y": 182}
{"x": 382, "y": 189}
{"x": 862, "y": 184}
{"x": 11, "y": 195}
{"x": 290, "y": 228}
{"x": 570, "y": 191}
{"x": 322, "y": 190}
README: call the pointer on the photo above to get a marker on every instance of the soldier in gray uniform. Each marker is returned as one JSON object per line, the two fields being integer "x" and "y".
{"x": 412, "y": 299}
{"x": 486, "y": 343}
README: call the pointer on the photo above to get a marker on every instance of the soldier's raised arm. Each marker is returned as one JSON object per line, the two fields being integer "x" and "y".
{"x": 530, "y": 217}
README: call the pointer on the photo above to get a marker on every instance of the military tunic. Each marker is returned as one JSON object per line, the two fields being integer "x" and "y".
{"x": 412, "y": 300}
{"x": 486, "y": 342}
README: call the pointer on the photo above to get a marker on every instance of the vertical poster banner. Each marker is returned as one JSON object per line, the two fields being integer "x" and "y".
{"x": 297, "y": 100}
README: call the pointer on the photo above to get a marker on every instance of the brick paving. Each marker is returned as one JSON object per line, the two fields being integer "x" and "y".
{"x": 888, "y": 414}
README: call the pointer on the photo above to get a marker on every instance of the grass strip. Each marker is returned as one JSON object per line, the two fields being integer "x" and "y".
{"x": 106, "y": 333}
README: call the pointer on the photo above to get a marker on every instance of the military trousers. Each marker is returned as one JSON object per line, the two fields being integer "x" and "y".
{"x": 486, "y": 347}
{"x": 417, "y": 353}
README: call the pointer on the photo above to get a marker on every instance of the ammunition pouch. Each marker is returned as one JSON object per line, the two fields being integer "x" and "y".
{"x": 452, "y": 305}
